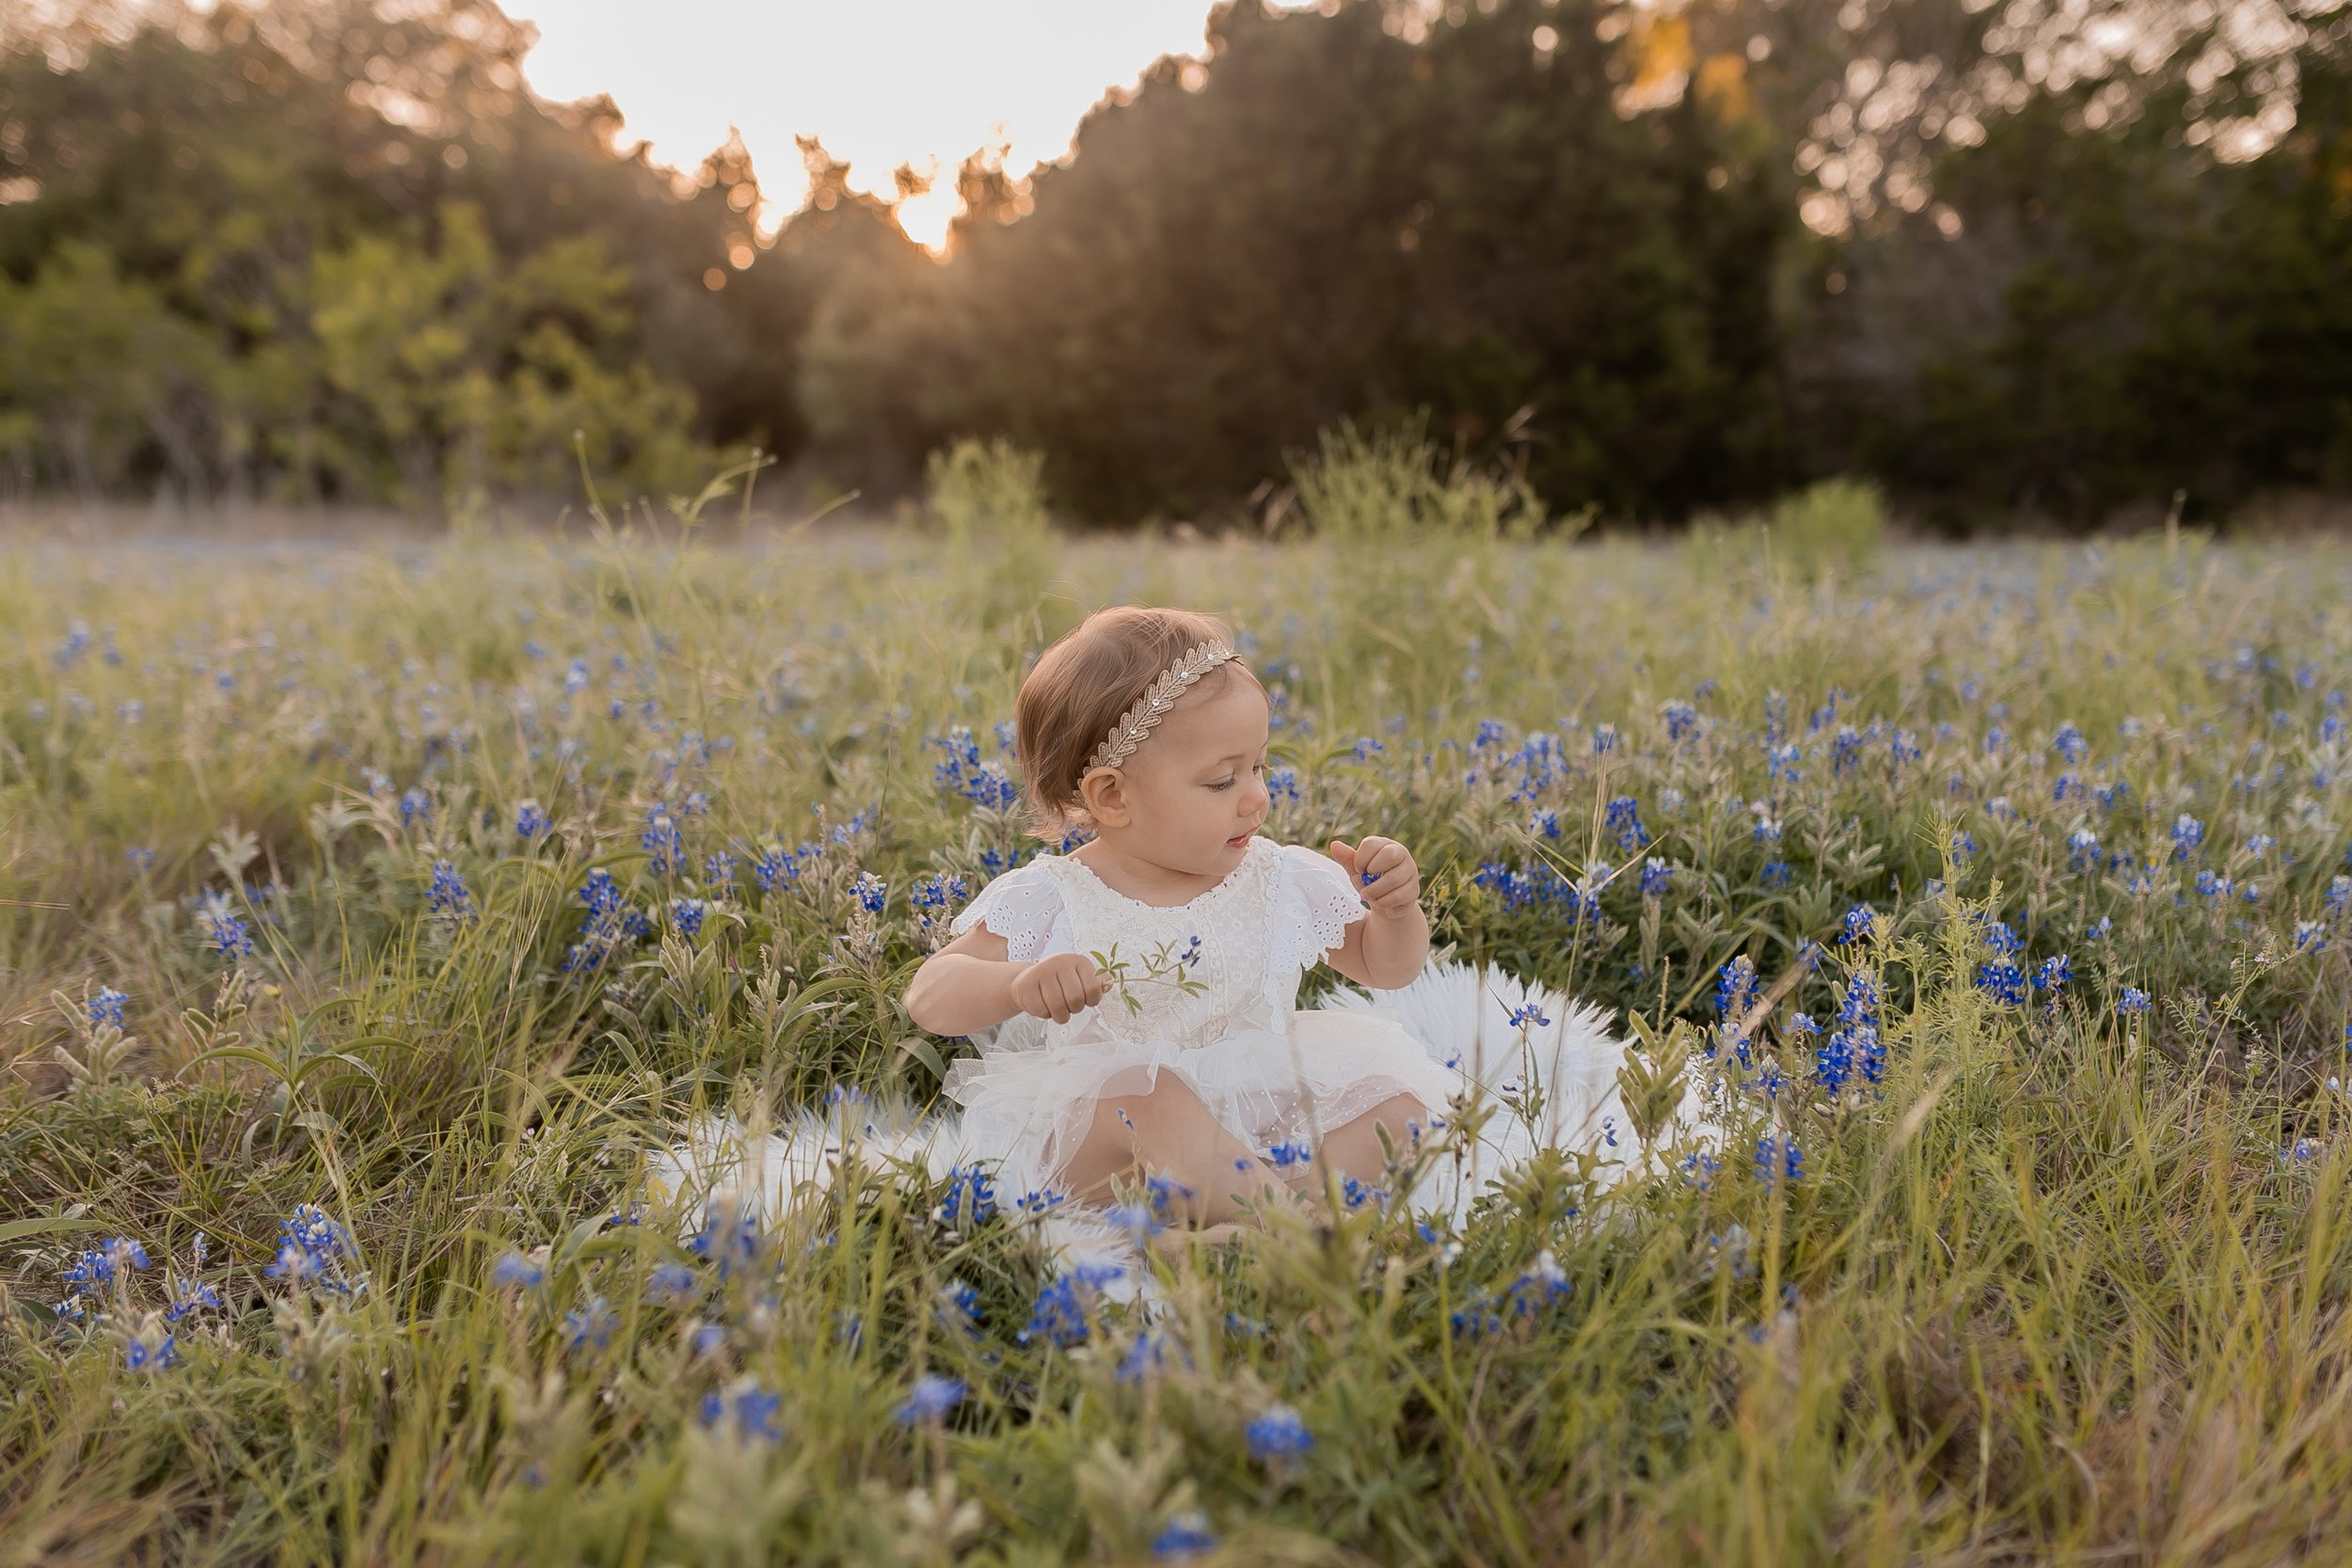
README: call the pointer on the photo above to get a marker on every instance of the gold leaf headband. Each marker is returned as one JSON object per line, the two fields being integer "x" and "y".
{"x": 1136, "y": 722}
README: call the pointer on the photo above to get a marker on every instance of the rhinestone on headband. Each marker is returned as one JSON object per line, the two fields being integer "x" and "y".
{"x": 1129, "y": 731}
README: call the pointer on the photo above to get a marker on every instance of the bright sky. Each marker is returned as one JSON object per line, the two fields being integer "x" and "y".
{"x": 880, "y": 81}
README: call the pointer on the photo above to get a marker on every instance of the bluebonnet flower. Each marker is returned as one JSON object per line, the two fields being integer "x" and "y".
{"x": 746, "y": 1408}
{"x": 2003, "y": 981}
{"x": 1191, "y": 954}
{"x": 672, "y": 1285}
{"x": 960, "y": 1307}
{"x": 448, "y": 898}
{"x": 2310, "y": 936}
{"x": 1282, "y": 784}
{"x": 731, "y": 1236}
{"x": 1682, "y": 718}
{"x": 1801, "y": 1026}
{"x": 1623, "y": 817}
{"x": 1038, "y": 1201}
{"x": 1166, "y": 1190}
{"x": 1285, "y": 1155}
{"x": 2082, "y": 847}
{"x": 1544, "y": 1283}
{"x": 1367, "y": 747}
{"x": 529, "y": 821}
{"x": 609, "y": 923}
{"x": 1860, "y": 923}
{"x": 514, "y": 1268}
{"x": 2212, "y": 884}
{"x": 1137, "y": 1220}
{"x": 2055, "y": 972}
{"x": 1277, "y": 1433}
{"x": 106, "y": 1007}
{"x": 312, "y": 1250}
{"x": 2000, "y": 937}
{"x": 1185, "y": 1536}
{"x": 1845, "y": 750}
{"x": 1701, "y": 1169}
{"x": 1358, "y": 1193}
{"x": 871, "y": 890}
{"x": 932, "y": 1398}
{"x": 223, "y": 928}
{"x": 1904, "y": 746}
{"x": 2187, "y": 833}
{"x": 588, "y": 1324}
{"x": 1148, "y": 1353}
{"x": 140, "y": 856}
{"x": 1543, "y": 823}
{"x": 2110, "y": 796}
{"x": 1655, "y": 875}
{"x": 143, "y": 1352}
{"x": 2261, "y": 844}
{"x": 1777, "y": 874}
{"x": 1604, "y": 739}
{"x": 2339, "y": 894}
{"x": 190, "y": 1296}
{"x": 413, "y": 804}
{"x": 2070, "y": 742}
{"x": 971, "y": 1199}
{"x": 2099, "y": 930}
{"x": 662, "y": 841}
{"x": 2134, "y": 1000}
{"x": 718, "y": 870}
{"x": 1767, "y": 829}
{"x": 1777, "y": 1156}
{"x": 687, "y": 915}
{"x": 1475, "y": 1316}
{"x": 1964, "y": 846}
{"x": 1059, "y": 1313}
{"x": 2302, "y": 1151}
{"x": 1528, "y": 1015}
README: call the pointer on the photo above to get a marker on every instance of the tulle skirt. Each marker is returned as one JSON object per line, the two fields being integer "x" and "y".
{"x": 1447, "y": 1038}
{"x": 1034, "y": 1108}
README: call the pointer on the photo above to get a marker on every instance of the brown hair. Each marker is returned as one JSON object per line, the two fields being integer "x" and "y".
{"x": 1084, "y": 685}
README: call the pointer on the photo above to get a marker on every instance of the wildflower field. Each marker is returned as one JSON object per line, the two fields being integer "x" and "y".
{"x": 367, "y": 918}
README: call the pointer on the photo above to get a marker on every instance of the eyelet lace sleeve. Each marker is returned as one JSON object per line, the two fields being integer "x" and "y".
{"x": 1021, "y": 906}
{"x": 1316, "y": 904}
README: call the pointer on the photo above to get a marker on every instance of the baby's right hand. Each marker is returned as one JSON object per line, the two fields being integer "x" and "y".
{"x": 1058, "y": 985}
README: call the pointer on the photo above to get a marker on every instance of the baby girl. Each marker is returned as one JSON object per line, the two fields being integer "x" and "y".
{"x": 1144, "y": 726}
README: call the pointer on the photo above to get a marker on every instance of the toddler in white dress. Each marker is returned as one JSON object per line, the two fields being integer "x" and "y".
{"x": 1221, "y": 1088}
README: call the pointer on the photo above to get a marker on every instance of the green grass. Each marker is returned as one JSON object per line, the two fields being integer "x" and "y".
{"x": 2051, "y": 1292}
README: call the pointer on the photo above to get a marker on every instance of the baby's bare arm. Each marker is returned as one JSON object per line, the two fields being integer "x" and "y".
{"x": 966, "y": 985}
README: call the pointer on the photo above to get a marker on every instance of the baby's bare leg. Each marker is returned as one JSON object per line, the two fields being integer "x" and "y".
{"x": 1166, "y": 1131}
{"x": 1354, "y": 1150}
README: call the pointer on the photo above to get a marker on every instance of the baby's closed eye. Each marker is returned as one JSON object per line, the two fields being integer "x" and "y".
{"x": 1227, "y": 784}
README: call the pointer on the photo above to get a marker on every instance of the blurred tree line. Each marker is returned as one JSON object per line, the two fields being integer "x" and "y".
{"x": 2034, "y": 256}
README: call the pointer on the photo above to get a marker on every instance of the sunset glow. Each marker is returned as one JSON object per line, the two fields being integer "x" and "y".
{"x": 881, "y": 83}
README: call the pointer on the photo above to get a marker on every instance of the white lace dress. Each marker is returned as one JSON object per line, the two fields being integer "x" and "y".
{"x": 1271, "y": 1072}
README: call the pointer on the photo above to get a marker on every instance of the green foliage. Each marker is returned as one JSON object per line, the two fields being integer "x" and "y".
{"x": 2032, "y": 1288}
{"x": 1394, "y": 487}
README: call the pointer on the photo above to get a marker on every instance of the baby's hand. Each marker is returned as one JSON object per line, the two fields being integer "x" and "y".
{"x": 1383, "y": 873}
{"x": 1058, "y": 985}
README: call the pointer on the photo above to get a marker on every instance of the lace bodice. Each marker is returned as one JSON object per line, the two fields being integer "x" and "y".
{"x": 1282, "y": 909}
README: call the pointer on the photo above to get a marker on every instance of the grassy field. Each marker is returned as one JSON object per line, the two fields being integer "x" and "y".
{"x": 367, "y": 918}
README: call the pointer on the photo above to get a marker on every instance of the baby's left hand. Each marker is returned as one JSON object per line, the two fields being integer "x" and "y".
{"x": 1383, "y": 873}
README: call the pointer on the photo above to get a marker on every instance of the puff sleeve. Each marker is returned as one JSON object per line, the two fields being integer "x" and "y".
{"x": 1022, "y": 906}
{"x": 1314, "y": 904}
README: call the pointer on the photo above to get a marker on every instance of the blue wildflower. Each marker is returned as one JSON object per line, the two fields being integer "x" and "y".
{"x": 672, "y": 1285}
{"x": 1655, "y": 875}
{"x": 515, "y": 1269}
{"x": 106, "y": 1007}
{"x": 2003, "y": 981}
{"x": 588, "y": 1324}
{"x": 932, "y": 1398}
{"x": 2134, "y": 1000}
{"x": 312, "y": 1252}
{"x": 1286, "y": 1154}
{"x": 1544, "y": 1283}
{"x": 746, "y": 1408}
{"x": 448, "y": 898}
{"x": 1187, "y": 1535}
{"x": 225, "y": 927}
{"x": 1279, "y": 1433}
{"x": 871, "y": 890}
{"x": 1777, "y": 1156}
{"x": 971, "y": 1199}
{"x": 2187, "y": 833}
{"x": 529, "y": 821}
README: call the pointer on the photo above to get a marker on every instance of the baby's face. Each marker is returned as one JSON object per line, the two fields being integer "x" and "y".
{"x": 1198, "y": 782}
